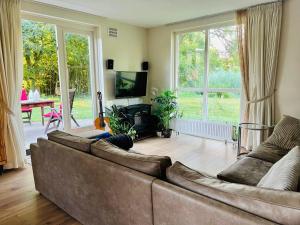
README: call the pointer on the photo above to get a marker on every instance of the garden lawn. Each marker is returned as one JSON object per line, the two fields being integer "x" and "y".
{"x": 221, "y": 109}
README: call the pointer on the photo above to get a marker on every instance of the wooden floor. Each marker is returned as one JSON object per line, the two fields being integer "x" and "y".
{"x": 200, "y": 154}
{"x": 20, "y": 204}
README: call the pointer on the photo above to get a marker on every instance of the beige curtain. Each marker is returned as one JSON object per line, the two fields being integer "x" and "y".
{"x": 259, "y": 36}
{"x": 11, "y": 75}
{"x": 242, "y": 37}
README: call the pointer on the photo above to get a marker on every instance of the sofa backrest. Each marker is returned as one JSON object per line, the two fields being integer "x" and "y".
{"x": 279, "y": 206}
{"x": 92, "y": 190}
{"x": 152, "y": 165}
{"x": 72, "y": 141}
{"x": 173, "y": 205}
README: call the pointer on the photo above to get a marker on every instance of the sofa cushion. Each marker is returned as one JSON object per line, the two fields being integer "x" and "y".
{"x": 246, "y": 171}
{"x": 268, "y": 152}
{"x": 282, "y": 207}
{"x": 76, "y": 142}
{"x": 284, "y": 175}
{"x": 286, "y": 133}
{"x": 148, "y": 164}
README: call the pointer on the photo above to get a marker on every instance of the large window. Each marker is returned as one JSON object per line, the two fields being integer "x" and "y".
{"x": 208, "y": 74}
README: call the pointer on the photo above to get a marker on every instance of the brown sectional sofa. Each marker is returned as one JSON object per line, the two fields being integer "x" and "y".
{"x": 109, "y": 186}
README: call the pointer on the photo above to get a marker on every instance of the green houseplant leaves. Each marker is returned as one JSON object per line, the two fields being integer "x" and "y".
{"x": 166, "y": 109}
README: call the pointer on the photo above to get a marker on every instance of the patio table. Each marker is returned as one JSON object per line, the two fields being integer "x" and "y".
{"x": 39, "y": 103}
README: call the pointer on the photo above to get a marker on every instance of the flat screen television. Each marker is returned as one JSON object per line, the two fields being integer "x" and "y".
{"x": 130, "y": 84}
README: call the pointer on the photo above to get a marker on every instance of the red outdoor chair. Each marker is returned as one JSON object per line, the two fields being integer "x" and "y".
{"x": 56, "y": 115}
{"x": 25, "y": 110}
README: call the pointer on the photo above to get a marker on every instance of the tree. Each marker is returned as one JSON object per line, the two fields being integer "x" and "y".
{"x": 40, "y": 59}
{"x": 224, "y": 68}
{"x": 77, "y": 48}
{"x": 191, "y": 59}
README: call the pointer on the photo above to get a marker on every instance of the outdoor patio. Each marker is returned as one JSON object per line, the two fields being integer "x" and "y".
{"x": 36, "y": 130}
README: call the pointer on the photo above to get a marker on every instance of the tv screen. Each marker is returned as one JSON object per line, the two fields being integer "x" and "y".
{"x": 131, "y": 84}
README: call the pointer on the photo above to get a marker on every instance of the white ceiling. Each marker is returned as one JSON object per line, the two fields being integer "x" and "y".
{"x": 151, "y": 13}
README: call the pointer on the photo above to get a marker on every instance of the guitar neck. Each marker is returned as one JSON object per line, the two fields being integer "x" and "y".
{"x": 102, "y": 123}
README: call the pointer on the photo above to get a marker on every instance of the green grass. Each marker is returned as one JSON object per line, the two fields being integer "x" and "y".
{"x": 225, "y": 109}
{"x": 191, "y": 104}
{"x": 82, "y": 107}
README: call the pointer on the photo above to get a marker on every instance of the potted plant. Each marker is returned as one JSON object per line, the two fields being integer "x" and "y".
{"x": 118, "y": 125}
{"x": 166, "y": 109}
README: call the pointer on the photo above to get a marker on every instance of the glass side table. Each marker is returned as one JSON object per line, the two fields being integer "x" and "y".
{"x": 252, "y": 127}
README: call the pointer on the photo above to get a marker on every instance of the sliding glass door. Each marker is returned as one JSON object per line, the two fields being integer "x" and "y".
{"x": 40, "y": 88}
{"x": 59, "y": 73}
{"x": 79, "y": 78}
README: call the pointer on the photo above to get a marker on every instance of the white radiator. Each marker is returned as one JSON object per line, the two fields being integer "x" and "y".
{"x": 206, "y": 129}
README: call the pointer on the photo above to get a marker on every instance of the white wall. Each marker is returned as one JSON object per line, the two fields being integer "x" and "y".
{"x": 288, "y": 82}
{"x": 128, "y": 50}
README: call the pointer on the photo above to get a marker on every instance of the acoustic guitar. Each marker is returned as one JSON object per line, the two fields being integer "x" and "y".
{"x": 101, "y": 123}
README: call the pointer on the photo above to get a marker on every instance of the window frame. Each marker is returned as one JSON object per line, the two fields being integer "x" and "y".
{"x": 206, "y": 89}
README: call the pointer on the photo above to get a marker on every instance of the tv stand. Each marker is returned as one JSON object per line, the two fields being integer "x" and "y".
{"x": 139, "y": 116}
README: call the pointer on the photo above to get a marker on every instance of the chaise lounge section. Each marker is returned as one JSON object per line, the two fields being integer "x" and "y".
{"x": 254, "y": 166}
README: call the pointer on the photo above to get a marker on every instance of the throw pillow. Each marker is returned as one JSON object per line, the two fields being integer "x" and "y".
{"x": 284, "y": 175}
{"x": 286, "y": 133}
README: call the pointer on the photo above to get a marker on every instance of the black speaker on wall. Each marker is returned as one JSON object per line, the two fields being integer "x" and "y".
{"x": 145, "y": 66}
{"x": 110, "y": 64}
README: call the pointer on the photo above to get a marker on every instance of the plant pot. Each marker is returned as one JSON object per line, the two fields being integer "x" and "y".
{"x": 159, "y": 133}
{"x": 167, "y": 133}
